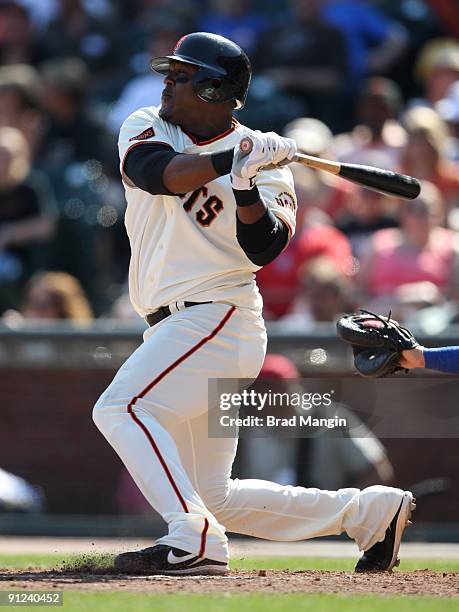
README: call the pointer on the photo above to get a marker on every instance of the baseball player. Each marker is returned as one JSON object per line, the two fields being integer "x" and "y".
{"x": 202, "y": 219}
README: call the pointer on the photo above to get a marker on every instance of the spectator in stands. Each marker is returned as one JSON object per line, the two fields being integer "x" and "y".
{"x": 377, "y": 130}
{"x": 374, "y": 42}
{"x": 185, "y": 12}
{"x": 145, "y": 89}
{"x": 324, "y": 294}
{"x": 307, "y": 58}
{"x": 437, "y": 68}
{"x": 424, "y": 155}
{"x": 78, "y": 152}
{"x": 236, "y": 20}
{"x": 74, "y": 131}
{"x": 367, "y": 212}
{"x": 415, "y": 265}
{"x": 75, "y": 32}
{"x": 27, "y": 215}
{"x": 18, "y": 43}
{"x": 19, "y": 101}
{"x": 55, "y": 295}
{"x": 448, "y": 109}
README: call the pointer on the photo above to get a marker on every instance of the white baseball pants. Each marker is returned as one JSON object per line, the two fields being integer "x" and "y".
{"x": 154, "y": 414}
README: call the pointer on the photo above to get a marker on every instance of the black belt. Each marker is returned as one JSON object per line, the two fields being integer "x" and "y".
{"x": 155, "y": 317}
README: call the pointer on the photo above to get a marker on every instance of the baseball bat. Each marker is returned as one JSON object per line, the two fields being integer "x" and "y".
{"x": 377, "y": 179}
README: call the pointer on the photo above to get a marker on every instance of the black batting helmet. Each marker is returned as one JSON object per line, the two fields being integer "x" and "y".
{"x": 224, "y": 69}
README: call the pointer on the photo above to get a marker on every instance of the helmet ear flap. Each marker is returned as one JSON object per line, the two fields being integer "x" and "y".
{"x": 210, "y": 87}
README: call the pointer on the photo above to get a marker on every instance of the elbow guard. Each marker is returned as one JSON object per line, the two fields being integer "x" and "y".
{"x": 263, "y": 240}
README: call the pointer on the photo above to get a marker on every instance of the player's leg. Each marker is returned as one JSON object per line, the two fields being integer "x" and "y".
{"x": 275, "y": 512}
{"x": 162, "y": 384}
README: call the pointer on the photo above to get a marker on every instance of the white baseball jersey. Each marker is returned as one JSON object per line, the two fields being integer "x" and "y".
{"x": 185, "y": 247}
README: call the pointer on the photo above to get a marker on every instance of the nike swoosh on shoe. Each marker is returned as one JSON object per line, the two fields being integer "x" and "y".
{"x": 173, "y": 559}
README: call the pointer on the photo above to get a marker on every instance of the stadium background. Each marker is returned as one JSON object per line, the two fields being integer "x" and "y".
{"x": 373, "y": 83}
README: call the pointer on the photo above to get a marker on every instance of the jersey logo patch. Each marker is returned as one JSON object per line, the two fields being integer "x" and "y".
{"x": 148, "y": 133}
{"x": 286, "y": 200}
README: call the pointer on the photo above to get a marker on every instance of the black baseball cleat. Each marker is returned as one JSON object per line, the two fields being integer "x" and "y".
{"x": 165, "y": 560}
{"x": 382, "y": 557}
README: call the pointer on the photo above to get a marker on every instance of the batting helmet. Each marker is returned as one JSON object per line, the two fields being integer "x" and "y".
{"x": 224, "y": 69}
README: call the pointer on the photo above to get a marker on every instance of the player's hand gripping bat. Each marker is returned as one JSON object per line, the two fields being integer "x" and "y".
{"x": 383, "y": 181}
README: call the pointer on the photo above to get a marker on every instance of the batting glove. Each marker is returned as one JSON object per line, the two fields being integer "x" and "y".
{"x": 268, "y": 148}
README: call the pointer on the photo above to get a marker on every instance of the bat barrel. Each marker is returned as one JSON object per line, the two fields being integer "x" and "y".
{"x": 384, "y": 181}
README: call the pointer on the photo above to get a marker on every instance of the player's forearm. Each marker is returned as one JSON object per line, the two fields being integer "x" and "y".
{"x": 186, "y": 173}
{"x": 443, "y": 359}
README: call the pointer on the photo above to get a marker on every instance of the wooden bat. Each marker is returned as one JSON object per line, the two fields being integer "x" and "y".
{"x": 383, "y": 181}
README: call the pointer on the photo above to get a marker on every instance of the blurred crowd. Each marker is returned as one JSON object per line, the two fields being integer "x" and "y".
{"x": 361, "y": 81}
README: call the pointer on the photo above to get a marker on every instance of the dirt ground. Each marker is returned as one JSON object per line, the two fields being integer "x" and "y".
{"x": 420, "y": 582}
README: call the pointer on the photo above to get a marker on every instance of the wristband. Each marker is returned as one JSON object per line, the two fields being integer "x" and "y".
{"x": 246, "y": 197}
{"x": 222, "y": 161}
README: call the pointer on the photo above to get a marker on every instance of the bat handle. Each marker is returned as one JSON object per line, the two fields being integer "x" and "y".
{"x": 246, "y": 145}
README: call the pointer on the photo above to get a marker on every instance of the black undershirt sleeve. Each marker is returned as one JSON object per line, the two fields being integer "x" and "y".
{"x": 144, "y": 166}
{"x": 263, "y": 240}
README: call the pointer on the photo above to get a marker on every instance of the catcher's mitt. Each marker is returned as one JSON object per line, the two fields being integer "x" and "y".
{"x": 377, "y": 342}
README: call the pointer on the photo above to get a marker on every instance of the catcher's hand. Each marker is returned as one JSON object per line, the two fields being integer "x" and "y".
{"x": 377, "y": 342}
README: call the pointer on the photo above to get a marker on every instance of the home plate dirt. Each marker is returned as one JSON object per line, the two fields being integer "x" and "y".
{"x": 420, "y": 582}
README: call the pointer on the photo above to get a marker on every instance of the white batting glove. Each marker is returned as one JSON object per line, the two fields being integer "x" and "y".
{"x": 268, "y": 148}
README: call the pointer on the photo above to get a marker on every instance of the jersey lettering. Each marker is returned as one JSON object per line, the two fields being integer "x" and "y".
{"x": 209, "y": 211}
{"x": 148, "y": 133}
{"x": 188, "y": 204}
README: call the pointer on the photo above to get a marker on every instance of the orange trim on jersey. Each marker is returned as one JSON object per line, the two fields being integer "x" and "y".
{"x": 150, "y": 438}
{"x": 136, "y": 144}
{"x": 201, "y": 143}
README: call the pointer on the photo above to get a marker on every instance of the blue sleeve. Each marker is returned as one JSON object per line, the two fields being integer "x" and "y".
{"x": 443, "y": 359}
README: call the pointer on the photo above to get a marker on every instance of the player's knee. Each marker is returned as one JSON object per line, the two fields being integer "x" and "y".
{"x": 215, "y": 499}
